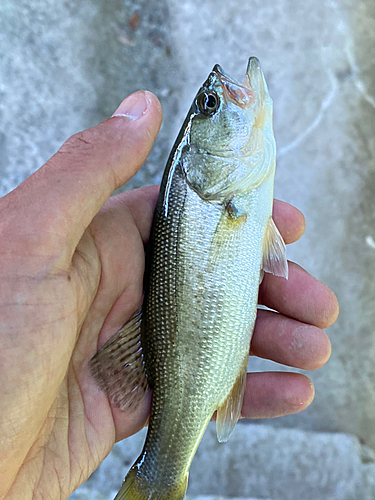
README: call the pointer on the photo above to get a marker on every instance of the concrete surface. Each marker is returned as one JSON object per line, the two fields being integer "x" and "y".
{"x": 64, "y": 66}
{"x": 258, "y": 461}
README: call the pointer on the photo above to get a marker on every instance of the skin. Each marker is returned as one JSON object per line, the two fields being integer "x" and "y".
{"x": 71, "y": 271}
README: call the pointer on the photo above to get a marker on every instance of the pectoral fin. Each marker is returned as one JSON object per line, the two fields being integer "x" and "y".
{"x": 229, "y": 411}
{"x": 274, "y": 252}
{"x": 118, "y": 367}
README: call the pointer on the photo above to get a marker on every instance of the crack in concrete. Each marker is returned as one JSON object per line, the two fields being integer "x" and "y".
{"x": 326, "y": 103}
{"x": 358, "y": 83}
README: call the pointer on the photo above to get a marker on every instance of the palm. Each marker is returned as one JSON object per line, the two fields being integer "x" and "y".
{"x": 111, "y": 256}
{"x": 96, "y": 292}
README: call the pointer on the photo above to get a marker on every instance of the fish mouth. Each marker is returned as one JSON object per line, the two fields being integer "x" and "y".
{"x": 240, "y": 94}
{"x": 243, "y": 94}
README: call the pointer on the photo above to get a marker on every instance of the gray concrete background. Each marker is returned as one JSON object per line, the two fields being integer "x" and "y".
{"x": 282, "y": 470}
{"x": 65, "y": 66}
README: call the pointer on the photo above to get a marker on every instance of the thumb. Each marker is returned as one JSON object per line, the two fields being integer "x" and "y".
{"x": 62, "y": 197}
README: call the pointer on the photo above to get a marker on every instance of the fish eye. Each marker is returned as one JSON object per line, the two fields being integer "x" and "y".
{"x": 208, "y": 103}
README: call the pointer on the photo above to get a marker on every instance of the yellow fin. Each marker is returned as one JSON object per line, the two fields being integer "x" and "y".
{"x": 274, "y": 252}
{"x": 229, "y": 412}
{"x": 118, "y": 367}
{"x": 136, "y": 487}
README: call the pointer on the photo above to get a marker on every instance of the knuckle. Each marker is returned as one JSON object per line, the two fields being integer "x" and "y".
{"x": 80, "y": 143}
{"x": 98, "y": 138}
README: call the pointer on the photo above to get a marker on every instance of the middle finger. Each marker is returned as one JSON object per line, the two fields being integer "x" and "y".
{"x": 289, "y": 342}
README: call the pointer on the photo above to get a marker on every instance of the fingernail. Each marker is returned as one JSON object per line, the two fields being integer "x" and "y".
{"x": 134, "y": 106}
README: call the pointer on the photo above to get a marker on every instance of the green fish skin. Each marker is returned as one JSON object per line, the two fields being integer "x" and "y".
{"x": 212, "y": 238}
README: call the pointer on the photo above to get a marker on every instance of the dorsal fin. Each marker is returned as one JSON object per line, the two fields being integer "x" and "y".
{"x": 118, "y": 367}
{"x": 229, "y": 411}
{"x": 274, "y": 252}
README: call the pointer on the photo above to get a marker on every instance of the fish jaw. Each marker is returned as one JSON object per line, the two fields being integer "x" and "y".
{"x": 241, "y": 95}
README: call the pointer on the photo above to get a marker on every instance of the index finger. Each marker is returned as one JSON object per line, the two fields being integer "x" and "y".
{"x": 301, "y": 297}
{"x": 289, "y": 221}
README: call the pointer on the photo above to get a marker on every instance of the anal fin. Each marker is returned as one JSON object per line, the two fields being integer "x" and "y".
{"x": 274, "y": 252}
{"x": 229, "y": 411}
{"x": 118, "y": 367}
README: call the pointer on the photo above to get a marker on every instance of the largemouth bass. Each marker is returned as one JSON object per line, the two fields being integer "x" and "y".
{"x": 212, "y": 238}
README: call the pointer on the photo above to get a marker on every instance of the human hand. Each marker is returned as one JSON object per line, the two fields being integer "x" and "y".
{"x": 71, "y": 275}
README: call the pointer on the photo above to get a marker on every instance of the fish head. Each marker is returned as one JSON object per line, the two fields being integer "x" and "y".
{"x": 231, "y": 131}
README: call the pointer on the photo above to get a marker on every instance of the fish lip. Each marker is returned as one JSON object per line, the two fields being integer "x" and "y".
{"x": 225, "y": 78}
{"x": 255, "y": 79}
{"x": 253, "y": 62}
{"x": 218, "y": 70}
{"x": 240, "y": 94}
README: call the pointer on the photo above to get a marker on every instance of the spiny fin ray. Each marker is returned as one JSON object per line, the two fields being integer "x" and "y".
{"x": 229, "y": 411}
{"x": 274, "y": 252}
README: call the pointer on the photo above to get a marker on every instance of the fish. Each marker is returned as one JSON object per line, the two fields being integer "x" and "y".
{"x": 212, "y": 239}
